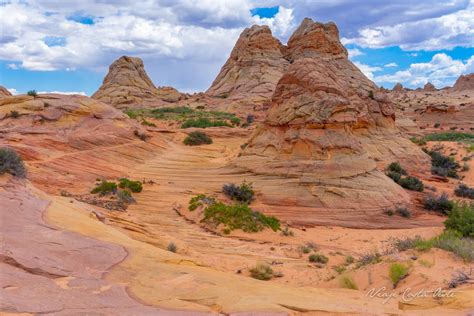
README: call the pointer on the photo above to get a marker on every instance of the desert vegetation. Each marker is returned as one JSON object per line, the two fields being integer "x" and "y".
{"x": 11, "y": 162}
{"x": 464, "y": 191}
{"x": 442, "y": 165}
{"x": 188, "y": 117}
{"x": 197, "y": 138}
{"x": 243, "y": 193}
{"x": 400, "y": 176}
{"x": 397, "y": 272}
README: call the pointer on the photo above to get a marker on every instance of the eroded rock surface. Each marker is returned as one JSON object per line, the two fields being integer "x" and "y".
{"x": 329, "y": 128}
{"x": 128, "y": 85}
{"x": 4, "y": 92}
{"x": 464, "y": 83}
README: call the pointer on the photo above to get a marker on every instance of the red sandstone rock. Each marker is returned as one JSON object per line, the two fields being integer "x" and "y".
{"x": 464, "y": 83}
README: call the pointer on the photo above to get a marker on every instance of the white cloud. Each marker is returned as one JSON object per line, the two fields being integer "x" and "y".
{"x": 12, "y": 91}
{"x": 441, "y": 71}
{"x": 281, "y": 24}
{"x": 367, "y": 70}
{"x": 63, "y": 92}
{"x": 12, "y": 66}
{"x": 391, "y": 65}
{"x": 435, "y": 33}
{"x": 353, "y": 52}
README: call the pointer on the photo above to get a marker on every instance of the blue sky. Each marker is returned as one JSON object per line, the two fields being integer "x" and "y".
{"x": 67, "y": 46}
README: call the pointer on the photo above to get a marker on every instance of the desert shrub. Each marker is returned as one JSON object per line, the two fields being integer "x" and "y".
{"x": 369, "y": 258}
{"x": 461, "y": 219}
{"x": 140, "y": 135}
{"x": 105, "y": 187}
{"x": 239, "y": 216}
{"x": 133, "y": 114}
{"x": 389, "y": 212}
{"x": 403, "y": 212}
{"x": 452, "y": 241}
{"x": 146, "y": 123}
{"x": 261, "y": 272}
{"x": 402, "y": 244}
{"x": 441, "y": 204}
{"x": 243, "y": 193}
{"x": 11, "y": 162}
{"x": 287, "y": 231}
{"x": 436, "y": 125}
{"x": 197, "y": 138}
{"x": 371, "y": 94}
{"x": 235, "y": 120}
{"x": 125, "y": 196}
{"x": 32, "y": 93}
{"x": 200, "y": 200}
{"x": 339, "y": 269}
{"x": 204, "y": 122}
{"x": 172, "y": 247}
{"x": 348, "y": 283}
{"x": 318, "y": 258}
{"x": 418, "y": 141}
{"x": 305, "y": 249}
{"x": 443, "y": 165}
{"x": 449, "y": 136}
{"x": 349, "y": 260}
{"x": 464, "y": 191}
{"x": 397, "y": 272}
{"x": 250, "y": 118}
{"x": 14, "y": 114}
{"x": 134, "y": 186}
{"x": 396, "y": 167}
{"x": 177, "y": 110}
{"x": 395, "y": 176}
{"x": 411, "y": 183}
{"x": 465, "y": 167}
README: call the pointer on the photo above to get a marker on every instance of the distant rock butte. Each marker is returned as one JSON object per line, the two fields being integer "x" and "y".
{"x": 4, "y": 92}
{"x": 128, "y": 85}
{"x": 398, "y": 87}
{"x": 429, "y": 87}
{"x": 330, "y": 130}
{"x": 464, "y": 83}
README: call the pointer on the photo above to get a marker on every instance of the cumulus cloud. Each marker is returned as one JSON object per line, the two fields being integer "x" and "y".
{"x": 282, "y": 24}
{"x": 391, "y": 65}
{"x": 367, "y": 70}
{"x": 443, "y": 32}
{"x": 63, "y": 92}
{"x": 12, "y": 91}
{"x": 441, "y": 71}
{"x": 353, "y": 52}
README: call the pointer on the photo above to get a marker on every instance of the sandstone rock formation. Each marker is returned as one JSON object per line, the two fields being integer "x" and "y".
{"x": 330, "y": 130}
{"x": 398, "y": 87}
{"x": 254, "y": 67}
{"x": 127, "y": 85}
{"x": 4, "y": 92}
{"x": 464, "y": 83}
{"x": 429, "y": 87}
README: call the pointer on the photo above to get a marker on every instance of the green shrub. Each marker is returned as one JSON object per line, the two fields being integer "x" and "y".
{"x": 349, "y": 260}
{"x": 176, "y": 110}
{"x": 403, "y": 212}
{"x": 464, "y": 191}
{"x": 200, "y": 200}
{"x": 397, "y": 272}
{"x": 197, "y": 138}
{"x": 411, "y": 183}
{"x": 369, "y": 258}
{"x": 441, "y": 204}
{"x": 14, "y": 114}
{"x": 261, "y": 272}
{"x": 134, "y": 186}
{"x": 318, "y": 258}
{"x": 11, "y": 162}
{"x": 104, "y": 188}
{"x": 287, "y": 232}
{"x": 243, "y": 193}
{"x": 32, "y": 93}
{"x": 125, "y": 196}
{"x": 449, "y": 136}
{"x": 443, "y": 165}
{"x": 235, "y": 120}
{"x": 452, "y": 241}
{"x": 348, "y": 283}
{"x": 239, "y": 216}
{"x": 461, "y": 219}
{"x": 204, "y": 122}
{"x": 146, "y": 123}
{"x": 418, "y": 141}
{"x": 339, "y": 269}
{"x": 396, "y": 167}
{"x": 172, "y": 247}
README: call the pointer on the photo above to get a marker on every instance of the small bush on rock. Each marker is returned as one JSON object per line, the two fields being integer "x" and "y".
{"x": 11, "y": 162}
{"x": 261, "y": 272}
{"x": 134, "y": 186}
{"x": 125, "y": 197}
{"x": 464, "y": 191}
{"x": 243, "y": 193}
{"x": 104, "y": 188}
{"x": 411, "y": 183}
{"x": 14, "y": 114}
{"x": 32, "y": 93}
{"x": 441, "y": 204}
{"x": 172, "y": 247}
{"x": 197, "y": 138}
{"x": 318, "y": 258}
{"x": 397, "y": 273}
